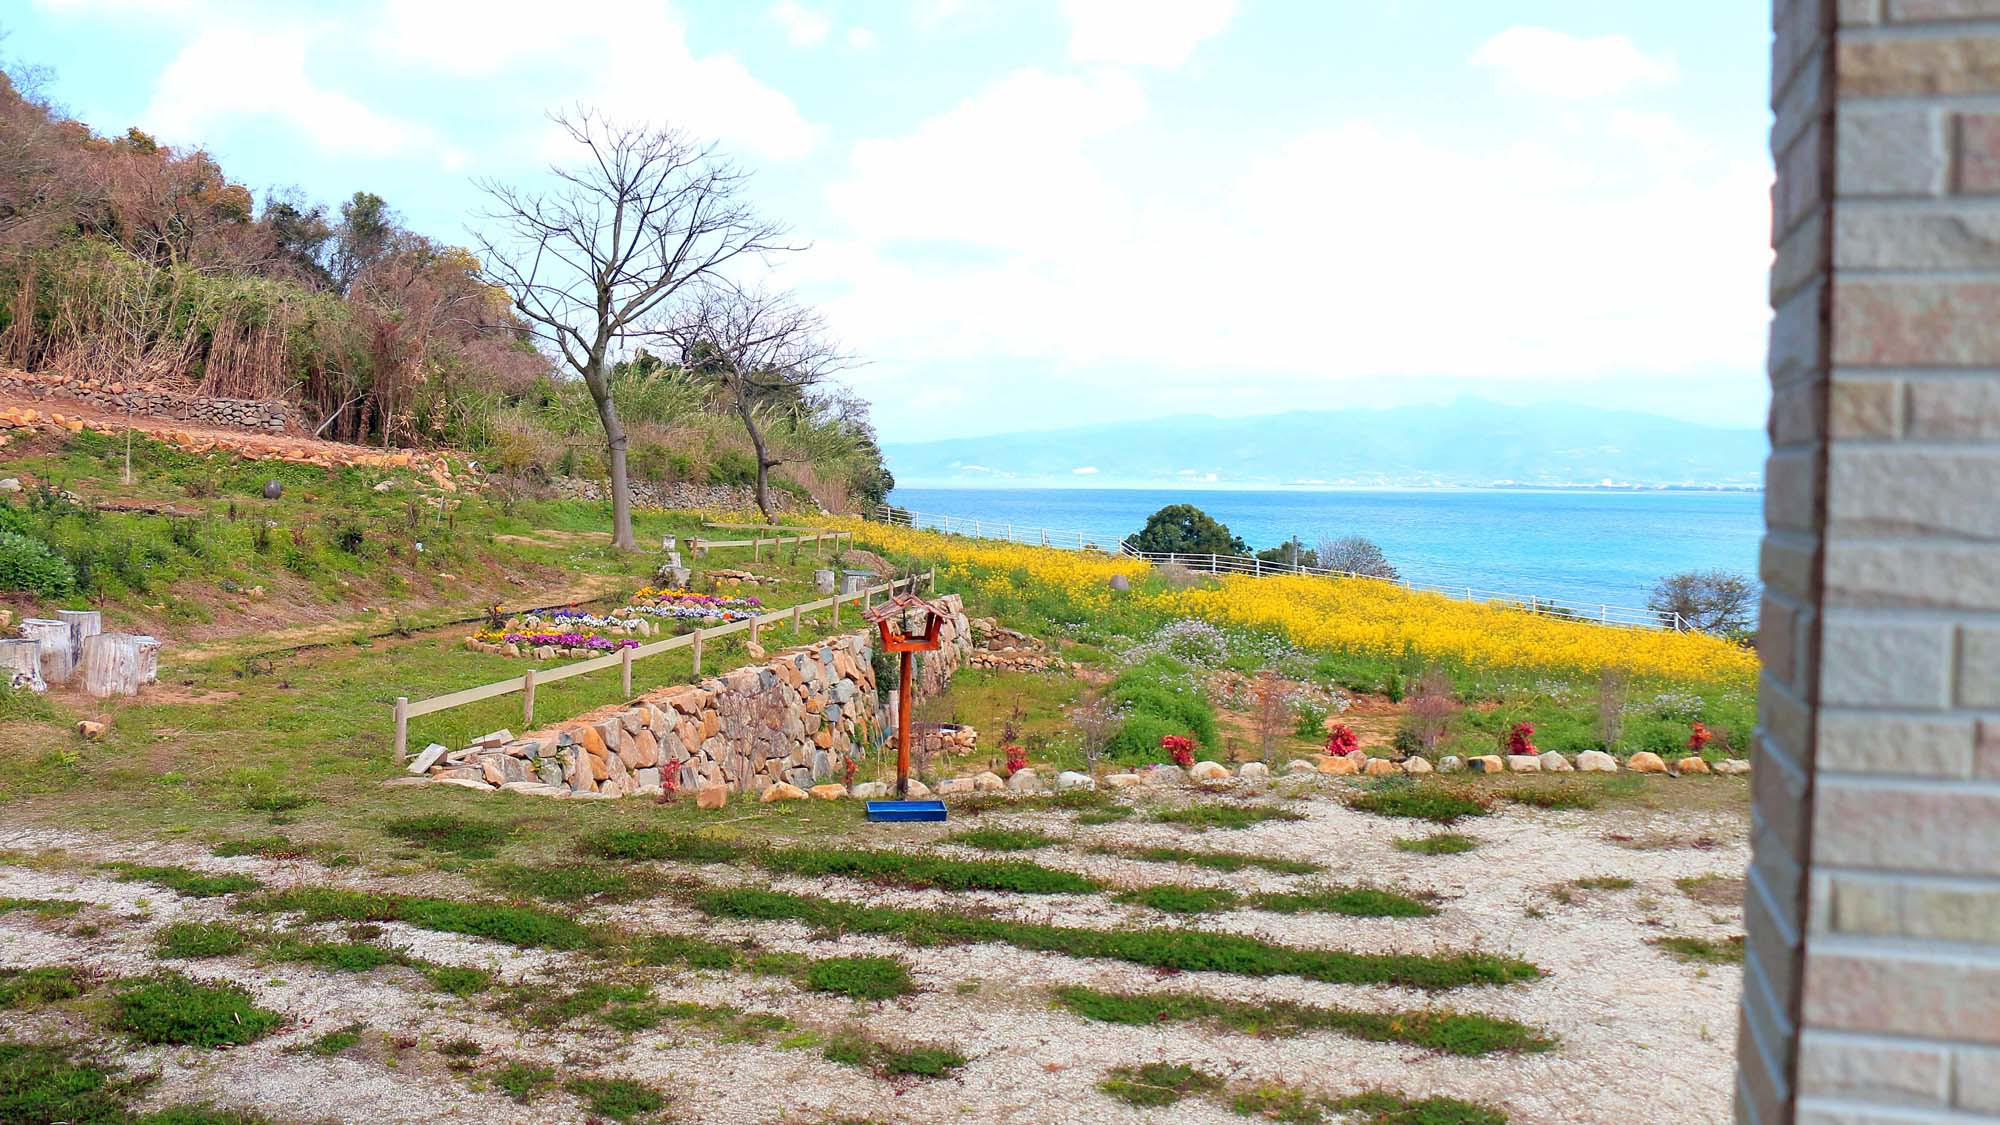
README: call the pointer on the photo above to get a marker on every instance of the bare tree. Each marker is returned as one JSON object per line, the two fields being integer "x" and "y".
{"x": 1351, "y": 554}
{"x": 644, "y": 215}
{"x": 1713, "y": 601}
{"x": 765, "y": 353}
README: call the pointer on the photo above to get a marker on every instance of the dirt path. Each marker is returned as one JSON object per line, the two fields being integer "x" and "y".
{"x": 1644, "y": 1038}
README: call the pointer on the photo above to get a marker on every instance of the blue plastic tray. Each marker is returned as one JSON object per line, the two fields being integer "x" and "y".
{"x": 906, "y": 810}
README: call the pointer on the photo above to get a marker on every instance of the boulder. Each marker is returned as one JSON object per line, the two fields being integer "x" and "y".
{"x": 1337, "y": 766}
{"x": 1416, "y": 765}
{"x": 871, "y": 790}
{"x": 1524, "y": 763}
{"x": 782, "y": 791}
{"x": 534, "y": 789}
{"x": 1301, "y": 765}
{"x": 832, "y": 791}
{"x": 1025, "y": 781}
{"x": 1553, "y": 762}
{"x": 1164, "y": 775}
{"x": 1450, "y": 763}
{"x": 1381, "y": 767}
{"x": 1733, "y": 766}
{"x": 1254, "y": 771}
{"x": 1645, "y": 761}
{"x": 1596, "y": 761}
{"x": 1116, "y": 780}
{"x": 90, "y": 730}
{"x": 955, "y": 785}
{"x": 988, "y": 782}
{"x": 1485, "y": 763}
{"x": 1691, "y": 764}
{"x": 918, "y": 790}
{"x": 1118, "y": 582}
{"x": 466, "y": 783}
{"x": 1209, "y": 771}
{"x": 1069, "y": 780}
{"x": 1359, "y": 758}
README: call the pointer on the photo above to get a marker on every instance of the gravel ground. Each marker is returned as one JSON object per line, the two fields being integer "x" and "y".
{"x": 1644, "y": 1038}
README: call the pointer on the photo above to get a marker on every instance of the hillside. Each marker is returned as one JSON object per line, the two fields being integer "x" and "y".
{"x": 1471, "y": 442}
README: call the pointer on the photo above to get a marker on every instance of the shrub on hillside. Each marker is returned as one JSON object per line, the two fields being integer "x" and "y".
{"x": 30, "y": 565}
{"x": 1160, "y": 697}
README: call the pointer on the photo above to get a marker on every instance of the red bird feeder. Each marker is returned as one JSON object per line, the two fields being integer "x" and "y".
{"x": 908, "y": 624}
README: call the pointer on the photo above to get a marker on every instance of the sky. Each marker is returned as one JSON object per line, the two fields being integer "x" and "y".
{"x": 1031, "y": 214}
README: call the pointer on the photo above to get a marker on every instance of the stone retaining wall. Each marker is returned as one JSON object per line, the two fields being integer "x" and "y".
{"x": 682, "y": 496}
{"x": 791, "y": 719}
{"x": 152, "y": 402}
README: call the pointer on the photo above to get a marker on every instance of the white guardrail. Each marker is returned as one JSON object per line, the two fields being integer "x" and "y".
{"x": 1074, "y": 540}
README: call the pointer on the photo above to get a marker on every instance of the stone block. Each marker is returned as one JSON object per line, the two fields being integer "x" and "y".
{"x": 1892, "y": 491}
{"x": 1867, "y": 742}
{"x": 1955, "y": 409}
{"x": 1976, "y": 1080}
{"x": 1863, "y": 408}
{"x": 1939, "y": 996}
{"x": 1791, "y": 488}
{"x": 1898, "y": 150}
{"x": 1886, "y": 825}
{"x": 1967, "y": 64}
{"x": 1941, "y": 575}
{"x": 1878, "y": 663}
{"x": 1960, "y": 238}
{"x": 1925, "y": 11}
{"x": 1885, "y": 1072}
{"x": 1979, "y": 664}
{"x": 1916, "y": 324}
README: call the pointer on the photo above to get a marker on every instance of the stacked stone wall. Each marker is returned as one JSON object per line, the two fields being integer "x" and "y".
{"x": 152, "y": 402}
{"x": 791, "y": 719}
{"x": 682, "y": 496}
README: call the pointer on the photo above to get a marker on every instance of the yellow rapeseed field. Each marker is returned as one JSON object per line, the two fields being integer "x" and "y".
{"x": 1348, "y": 615}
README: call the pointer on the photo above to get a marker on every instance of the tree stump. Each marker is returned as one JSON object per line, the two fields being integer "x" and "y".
{"x": 114, "y": 664}
{"x": 149, "y": 659}
{"x": 21, "y": 664}
{"x": 82, "y": 623}
{"x": 52, "y": 638}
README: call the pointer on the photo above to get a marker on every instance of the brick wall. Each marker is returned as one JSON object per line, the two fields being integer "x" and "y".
{"x": 1872, "y": 980}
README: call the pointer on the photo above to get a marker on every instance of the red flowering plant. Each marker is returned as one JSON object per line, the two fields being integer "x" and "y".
{"x": 1017, "y": 758}
{"x": 1699, "y": 736}
{"x": 670, "y": 785}
{"x": 1521, "y": 739}
{"x": 848, "y": 769}
{"x": 1342, "y": 740}
{"x": 1180, "y": 747}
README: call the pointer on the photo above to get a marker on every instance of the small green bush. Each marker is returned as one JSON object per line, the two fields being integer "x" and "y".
{"x": 1443, "y": 1031}
{"x": 1210, "y": 814}
{"x": 45, "y": 1083}
{"x": 474, "y": 839}
{"x": 914, "y": 870}
{"x": 1380, "y": 1107}
{"x": 1157, "y": 1084}
{"x": 1003, "y": 839}
{"x": 457, "y": 981}
{"x": 1705, "y": 951}
{"x": 1180, "y": 900}
{"x": 168, "y": 1008}
{"x": 660, "y": 844}
{"x": 852, "y": 1047}
{"x": 567, "y": 882}
{"x": 1422, "y": 801}
{"x": 1217, "y": 861}
{"x": 522, "y": 1081}
{"x": 863, "y": 977}
{"x": 186, "y": 881}
{"x": 1438, "y": 843}
{"x": 336, "y": 1041}
{"x": 32, "y": 988}
{"x": 336, "y": 956}
{"x": 32, "y": 565}
{"x": 620, "y": 1099}
{"x": 189, "y": 940}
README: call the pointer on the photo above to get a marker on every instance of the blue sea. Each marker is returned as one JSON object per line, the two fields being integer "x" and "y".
{"x": 1580, "y": 549}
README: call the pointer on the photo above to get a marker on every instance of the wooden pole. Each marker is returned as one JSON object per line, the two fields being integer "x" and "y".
{"x": 754, "y": 623}
{"x": 697, "y": 652}
{"x": 402, "y": 730}
{"x": 796, "y": 627}
{"x": 836, "y": 611}
{"x": 903, "y": 732}
{"x": 625, "y": 670}
{"x": 756, "y": 549}
{"x": 528, "y": 700}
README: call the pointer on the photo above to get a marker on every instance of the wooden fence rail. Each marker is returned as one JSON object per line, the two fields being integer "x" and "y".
{"x": 406, "y": 709}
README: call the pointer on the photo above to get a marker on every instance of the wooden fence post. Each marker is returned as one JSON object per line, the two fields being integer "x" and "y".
{"x": 625, "y": 670}
{"x": 756, "y": 549}
{"x": 836, "y": 611}
{"x": 402, "y": 730}
{"x": 795, "y": 621}
{"x": 754, "y": 622}
{"x": 528, "y": 699}
{"x": 697, "y": 652}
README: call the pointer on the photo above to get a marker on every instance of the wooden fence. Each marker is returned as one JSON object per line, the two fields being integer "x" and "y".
{"x": 406, "y": 709}
{"x": 696, "y": 545}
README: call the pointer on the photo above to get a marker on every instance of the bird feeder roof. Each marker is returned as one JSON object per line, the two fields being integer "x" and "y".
{"x": 895, "y": 604}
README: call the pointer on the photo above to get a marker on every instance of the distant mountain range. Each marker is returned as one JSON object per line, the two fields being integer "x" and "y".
{"x": 1470, "y": 443}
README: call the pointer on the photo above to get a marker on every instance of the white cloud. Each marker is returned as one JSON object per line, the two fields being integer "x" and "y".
{"x": 803, "y": 26}
{"x": 1085, "y": 470}
{"x": 634, "y": 64}
{"x": 860, "y": 38}
{"x": 1568, "y": 66}
{"x": 202, "y": 90}
{"x": 1159, "y": 33}
{"x": 1017, "y": 228}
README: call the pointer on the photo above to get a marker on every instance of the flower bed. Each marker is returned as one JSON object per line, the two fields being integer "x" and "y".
{"x": 686, "y": 605}
{"x": 573, "y": 633}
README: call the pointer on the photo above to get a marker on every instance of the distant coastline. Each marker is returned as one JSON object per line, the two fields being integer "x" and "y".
{"x": 1005, "y": 485}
